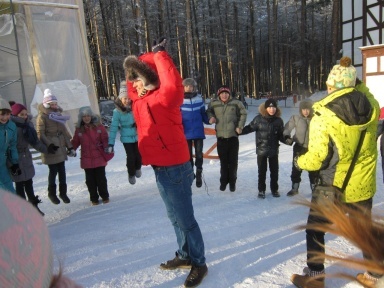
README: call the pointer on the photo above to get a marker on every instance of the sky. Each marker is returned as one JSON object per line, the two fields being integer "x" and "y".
{"x": 249, "y": 242}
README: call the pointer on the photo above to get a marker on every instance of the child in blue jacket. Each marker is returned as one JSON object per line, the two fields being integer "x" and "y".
{"x": 194, "y": 115}
{"x": 9, "y": 158}
{"x": 123, "y": 118}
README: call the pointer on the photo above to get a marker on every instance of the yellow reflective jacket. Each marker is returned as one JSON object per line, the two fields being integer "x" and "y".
{"x": 334, "y": 133}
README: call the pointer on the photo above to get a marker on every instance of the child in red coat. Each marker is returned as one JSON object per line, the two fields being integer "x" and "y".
{"x": 91, "y": 135}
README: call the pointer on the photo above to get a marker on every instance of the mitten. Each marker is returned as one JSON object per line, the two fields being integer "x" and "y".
{"x": 159, "y": 45}
{"x": 288, "y": 140}
{"x": 15, "y": 170}
{"x": 109, "y": 149}
{"x": 52, "y": 148}
{"x": 295, "y": 163}
{"x": 71, "y": 152}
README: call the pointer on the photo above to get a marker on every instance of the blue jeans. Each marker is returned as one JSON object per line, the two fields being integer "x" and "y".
{"x": 174, "y": 184}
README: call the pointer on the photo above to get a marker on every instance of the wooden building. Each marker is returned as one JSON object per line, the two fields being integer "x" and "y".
{"x": 363, "y": 41}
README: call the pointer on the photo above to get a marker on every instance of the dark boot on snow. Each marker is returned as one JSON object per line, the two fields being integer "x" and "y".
{"x": 36, "y": 201}
{"x": 176, "y": 263}
{"x": 63, "y": 193}
{"x": 261, "y": 194}
{"x": 275, "y": 194}
{"x": 52, "y": 194}
{"x": 294, "y": 191}
{"x": 196, "y": 275}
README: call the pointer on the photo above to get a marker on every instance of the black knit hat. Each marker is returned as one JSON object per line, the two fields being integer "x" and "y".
{"x": 270, "y": 103}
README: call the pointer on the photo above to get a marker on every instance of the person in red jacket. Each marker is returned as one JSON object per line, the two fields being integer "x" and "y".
{"x": 157, "y": 92}
{"x": 91, "y": 135}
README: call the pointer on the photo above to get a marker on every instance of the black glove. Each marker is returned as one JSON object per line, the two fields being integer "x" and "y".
{"x": 109, "y": 149}
{"x": 52, "y": 148}
{"x": 71, "y": 152}
{"x": 159, "y": 45}
{"x": 288, "y": 140}
{"x": 15, "y": 170}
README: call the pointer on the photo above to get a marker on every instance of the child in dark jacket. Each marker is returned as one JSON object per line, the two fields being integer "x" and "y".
{"x": 123, "y": 118}
{"x": 92, "y": 137}
{"x": 269, "y": 131}
{"x": 301, "y": 125}
{"x": 26, "y": 136}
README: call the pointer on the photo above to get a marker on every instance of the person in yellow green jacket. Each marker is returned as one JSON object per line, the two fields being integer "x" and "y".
{"x": 334, "y": 133}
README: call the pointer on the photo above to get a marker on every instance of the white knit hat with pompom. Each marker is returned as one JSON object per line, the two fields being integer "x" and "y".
{"x": 48, "y": 98}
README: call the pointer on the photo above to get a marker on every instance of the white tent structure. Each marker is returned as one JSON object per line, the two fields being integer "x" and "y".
{"x": 43, "y": 45}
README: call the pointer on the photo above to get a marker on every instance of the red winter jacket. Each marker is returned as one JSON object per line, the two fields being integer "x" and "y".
{"x": 90, "y": 138}
{"x": 158, "y": 117}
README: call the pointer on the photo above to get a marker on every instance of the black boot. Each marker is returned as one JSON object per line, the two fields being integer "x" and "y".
{"x": 261, "y": 194}
{"x": 199, "y": 180}
{"x": 196, "y": 275}
{"x": 63, "y": 193}
{"x": 294, "y": 190}
{"x": 35, "y": 201}
{"x": 52, "y": 194}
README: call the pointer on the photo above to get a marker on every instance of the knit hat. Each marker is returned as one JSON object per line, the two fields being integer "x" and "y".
{"x": 270, "y": 103}
{"x": 84, "y": 111}
{"x": 4, "y": 105}
{"x": 223, "y": 89}
{"x": 17, "y": 108}
{"x": 342, "y": 75}
{"x": 48, "y": 98}
{"x": 142, "y": 68}
{"x": 26, "y": 255}
{"x": 123, "y": 90}
{"x": 189, "y": 82}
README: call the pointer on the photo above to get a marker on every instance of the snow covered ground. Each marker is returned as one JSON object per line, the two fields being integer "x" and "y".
{"x": 249, "y": 242}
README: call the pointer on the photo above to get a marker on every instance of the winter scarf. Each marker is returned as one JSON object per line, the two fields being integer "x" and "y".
{"x": 29, "y": 132}
{"x": 57, "y": 117}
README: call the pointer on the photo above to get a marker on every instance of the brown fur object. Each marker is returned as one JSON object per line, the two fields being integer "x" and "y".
{"x": 345, "y": 61}
{"x": 351, "y": 223}
{"x": 137, "y": 69}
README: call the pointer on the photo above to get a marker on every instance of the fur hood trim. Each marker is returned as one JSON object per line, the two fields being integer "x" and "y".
{"x": 264, "y": 112}
{"x": 139, "y": 68}
{"x": 306, "y": 104}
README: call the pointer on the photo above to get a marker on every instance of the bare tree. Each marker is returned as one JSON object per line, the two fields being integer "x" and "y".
{"x": 263, "y": 46}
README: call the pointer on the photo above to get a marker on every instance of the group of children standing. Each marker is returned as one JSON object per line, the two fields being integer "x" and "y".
{"x": 52, "y": 138}
{"x": 55, "y": 143}
{"x": 229, "y": 114}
